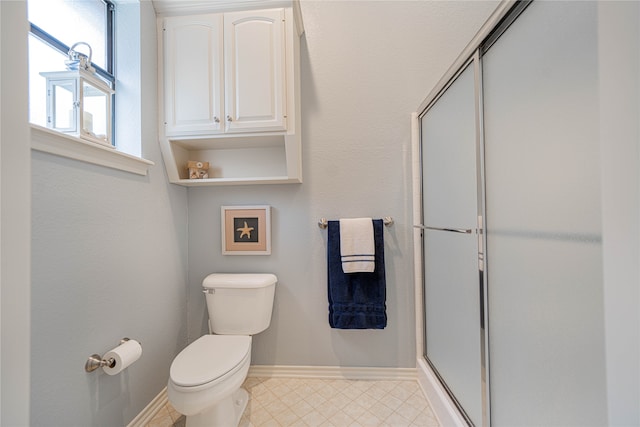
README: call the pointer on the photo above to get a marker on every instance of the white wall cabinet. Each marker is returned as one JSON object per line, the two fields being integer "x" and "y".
{"x": 193, "y": 79}
{"x": 230, "y": 96}
{"x": 254, "y": 60}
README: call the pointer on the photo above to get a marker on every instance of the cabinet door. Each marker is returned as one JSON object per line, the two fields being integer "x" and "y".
{"x": 254, "y": 55}
{"x": 193, "y": 83}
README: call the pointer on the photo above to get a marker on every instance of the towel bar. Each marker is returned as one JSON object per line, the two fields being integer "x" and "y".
{"x": 387, "y": 220}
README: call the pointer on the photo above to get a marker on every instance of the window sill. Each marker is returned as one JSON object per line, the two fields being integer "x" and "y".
{"x": 49, "y": 141}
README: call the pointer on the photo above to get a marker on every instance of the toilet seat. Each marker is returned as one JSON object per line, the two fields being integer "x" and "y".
{"x": 208, "y": 359}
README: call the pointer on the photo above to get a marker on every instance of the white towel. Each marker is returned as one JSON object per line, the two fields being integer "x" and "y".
{"x": 357, "y": 247}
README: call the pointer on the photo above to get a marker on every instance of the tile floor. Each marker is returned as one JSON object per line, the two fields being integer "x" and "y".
{"x": 289, "y": 402}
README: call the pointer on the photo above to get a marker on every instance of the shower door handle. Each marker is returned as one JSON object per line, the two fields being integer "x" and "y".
{"x": 452, "y": 230}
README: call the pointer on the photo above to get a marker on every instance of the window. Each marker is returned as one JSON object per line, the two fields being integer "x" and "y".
{"x": 55, "y": 27}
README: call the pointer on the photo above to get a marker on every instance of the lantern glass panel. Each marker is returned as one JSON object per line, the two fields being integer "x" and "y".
{"x": 63, "y": 103}
{"x": 95, "y": 104}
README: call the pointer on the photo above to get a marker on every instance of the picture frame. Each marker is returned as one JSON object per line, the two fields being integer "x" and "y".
{"x": 246, "y": 230}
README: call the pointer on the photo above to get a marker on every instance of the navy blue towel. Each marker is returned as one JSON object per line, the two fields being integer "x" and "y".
{"x": 356, "y": 300}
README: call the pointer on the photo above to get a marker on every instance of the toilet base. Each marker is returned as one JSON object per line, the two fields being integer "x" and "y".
{"x": 226, "y": 413}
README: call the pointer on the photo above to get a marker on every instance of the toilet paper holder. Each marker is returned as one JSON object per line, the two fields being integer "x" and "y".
{"x": 96, "y": 361}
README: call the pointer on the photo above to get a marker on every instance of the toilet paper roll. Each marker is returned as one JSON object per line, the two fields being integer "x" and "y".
{"x": 123, "y": 356}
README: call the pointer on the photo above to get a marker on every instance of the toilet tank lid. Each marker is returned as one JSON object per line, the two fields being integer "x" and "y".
{"x": 241, "y": 280}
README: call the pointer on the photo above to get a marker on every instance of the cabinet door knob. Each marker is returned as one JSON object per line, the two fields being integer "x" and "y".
{"x": 216, "y": 119}
{"x": 229, "y": 119}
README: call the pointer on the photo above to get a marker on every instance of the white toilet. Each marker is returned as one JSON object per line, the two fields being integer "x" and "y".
{"x": 205, "y": 378}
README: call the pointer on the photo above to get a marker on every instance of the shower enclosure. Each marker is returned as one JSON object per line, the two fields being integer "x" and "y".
{"x": 510, "y": 222}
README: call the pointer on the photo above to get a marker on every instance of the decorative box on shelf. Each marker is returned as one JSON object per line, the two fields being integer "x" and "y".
{"x": 198, "y": 170}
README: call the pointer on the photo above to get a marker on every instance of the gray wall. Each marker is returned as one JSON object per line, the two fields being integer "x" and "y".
{"x": 109, "y": 260}
{"x": 365, "y": 66}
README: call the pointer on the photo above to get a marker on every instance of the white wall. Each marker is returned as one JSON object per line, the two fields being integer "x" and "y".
{"x": 15, "y": 216}
{"x": 619, "y": 71}
{"x": 109, "y": 260}
{"x": 365, "y": 66}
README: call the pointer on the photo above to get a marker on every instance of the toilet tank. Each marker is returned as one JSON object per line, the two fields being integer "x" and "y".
{"x": 239, "y": 304}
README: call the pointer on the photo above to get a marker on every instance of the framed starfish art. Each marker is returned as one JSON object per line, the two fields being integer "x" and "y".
{"x": 246, "y": 230}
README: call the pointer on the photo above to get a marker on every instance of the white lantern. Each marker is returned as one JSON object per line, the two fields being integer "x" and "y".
{"x": 78, "y": 101}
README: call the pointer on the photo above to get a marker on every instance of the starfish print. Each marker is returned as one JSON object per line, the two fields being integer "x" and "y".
{"x": 246, "y": 230}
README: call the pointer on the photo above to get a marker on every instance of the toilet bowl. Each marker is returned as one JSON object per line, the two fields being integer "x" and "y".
{"x": 205, "y": 378}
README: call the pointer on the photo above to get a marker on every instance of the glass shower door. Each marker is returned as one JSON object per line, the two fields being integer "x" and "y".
{"x": 544, "y": 244}
{"x": 450, "y": 215}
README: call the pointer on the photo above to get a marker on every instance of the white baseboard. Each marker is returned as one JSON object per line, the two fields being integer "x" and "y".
{"x": 321, "y": 372}
{"x": 444, "y": 409}
{"x": 150, "y": 410}
{"x": 333, "y": 372}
